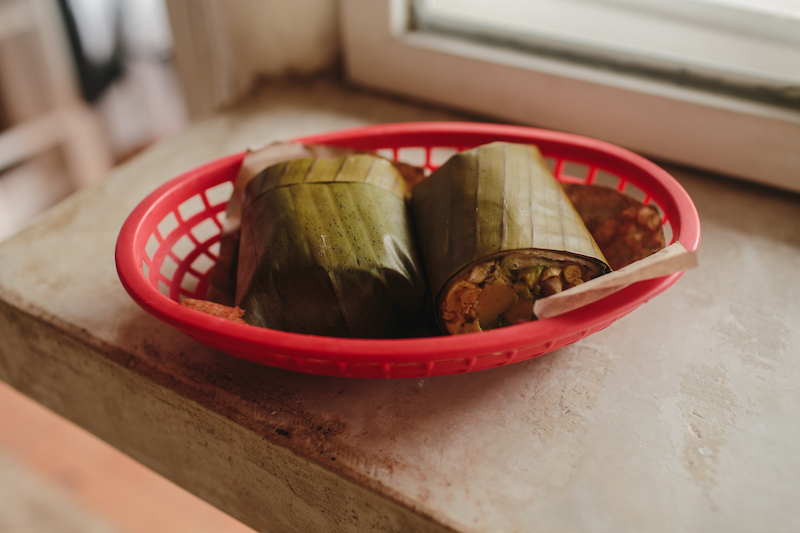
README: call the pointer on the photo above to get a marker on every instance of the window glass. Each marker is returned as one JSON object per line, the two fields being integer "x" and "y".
{"x": 748, "y": 48}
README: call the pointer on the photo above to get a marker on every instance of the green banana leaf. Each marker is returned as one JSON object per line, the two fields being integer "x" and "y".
{"x": 497, "y": 202}
{"x": 326, "y": 248}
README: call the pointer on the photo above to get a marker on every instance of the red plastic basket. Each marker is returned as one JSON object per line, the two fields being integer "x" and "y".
{"x": 169, "y": 243}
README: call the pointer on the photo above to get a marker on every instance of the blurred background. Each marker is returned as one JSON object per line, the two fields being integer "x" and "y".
{"x": 84, "y": 85}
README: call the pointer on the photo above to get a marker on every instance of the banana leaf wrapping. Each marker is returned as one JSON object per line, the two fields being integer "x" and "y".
{"x": 222, "y": 278}
{"x": 326, "y": 248}
{"x": 496, "y": 231}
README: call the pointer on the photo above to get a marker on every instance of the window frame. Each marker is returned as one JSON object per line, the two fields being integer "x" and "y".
{"x": 706, "y": 130}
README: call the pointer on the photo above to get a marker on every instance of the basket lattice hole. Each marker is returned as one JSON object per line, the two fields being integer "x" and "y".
{"x": 219, "y": 193}
{"x": 202, "y": 264}
{"x": 183, "y": 247}
{"x": 634, "y": 192}
{"x": 152, "y": 246}
{"x": 439, "y": 155}
{"x": 191, "y": 207}
{"x": 606, "y": 179}
{"x": 668, "y": 234}
{"x": 657, "y": 207}
{"x": 388, "y": 153}
{"x": 168, "y": 225}
{"x": 221, "y": 216}
{"x": 189, "y": 282}
{"x": 163, "y": 288}
{"x": 205, "y": 230}
{"x": 168, "y": 268}
{"x": 413, "y": 156}
{"x": 574, "y": 170}
{"x": 213, "y": 250}
{"x": 145, "y": 269}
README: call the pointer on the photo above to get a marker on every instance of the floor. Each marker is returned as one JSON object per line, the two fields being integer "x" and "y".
{"x": 55, "y": 477}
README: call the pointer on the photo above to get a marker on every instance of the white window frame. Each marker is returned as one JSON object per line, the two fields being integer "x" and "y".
{"x": 709, "y": 131}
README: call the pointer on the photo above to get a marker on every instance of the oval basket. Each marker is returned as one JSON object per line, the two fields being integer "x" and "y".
{"x": 169, "y": 243}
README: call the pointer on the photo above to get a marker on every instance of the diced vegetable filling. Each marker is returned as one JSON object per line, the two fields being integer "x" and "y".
{"x": 500, "y": 292}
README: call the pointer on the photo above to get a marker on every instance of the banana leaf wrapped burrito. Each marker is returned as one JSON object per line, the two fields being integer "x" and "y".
{"x": 326, "y": 248}
{"x": 496, "y": 231}
{"x": 222, "y": 278}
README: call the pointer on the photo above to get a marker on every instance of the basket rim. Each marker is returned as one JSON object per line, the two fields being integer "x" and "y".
{"x": 405, "y": 350}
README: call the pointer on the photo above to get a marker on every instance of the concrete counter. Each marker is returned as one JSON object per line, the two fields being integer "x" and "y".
{"x": 682, "y": 416}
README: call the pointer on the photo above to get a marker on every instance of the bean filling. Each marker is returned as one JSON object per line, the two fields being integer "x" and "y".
{"x": 501, "y": 292}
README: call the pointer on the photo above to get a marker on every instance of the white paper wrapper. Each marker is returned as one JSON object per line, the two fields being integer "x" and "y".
{"x": 673, "y": 258}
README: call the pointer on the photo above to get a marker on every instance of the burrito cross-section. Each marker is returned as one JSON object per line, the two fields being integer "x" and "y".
{"x": 496, "y": 231}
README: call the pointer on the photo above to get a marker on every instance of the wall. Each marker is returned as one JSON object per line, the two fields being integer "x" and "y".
{"x": 223, "y": 48}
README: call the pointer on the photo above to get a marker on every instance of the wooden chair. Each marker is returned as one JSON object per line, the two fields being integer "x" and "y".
{"x": 67, "y": 122}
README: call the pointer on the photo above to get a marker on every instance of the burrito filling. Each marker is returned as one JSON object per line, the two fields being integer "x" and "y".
{"x": 500, "y": 292}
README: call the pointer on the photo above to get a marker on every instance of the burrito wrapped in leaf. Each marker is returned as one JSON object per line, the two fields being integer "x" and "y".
{"x": 326, "y": 248}
{"x": 496, "y": 231}
{"x": 222, "y": 278}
